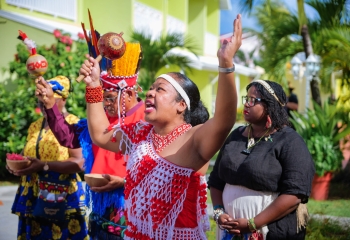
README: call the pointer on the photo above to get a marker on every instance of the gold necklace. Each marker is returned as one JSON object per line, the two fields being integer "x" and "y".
{"x": 251, "y": 141}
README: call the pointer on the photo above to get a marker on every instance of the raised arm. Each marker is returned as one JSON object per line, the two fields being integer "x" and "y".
{"x": 96, "y": 116}
{"x": 209, "y": 137}
{"x": 64, "y": 132}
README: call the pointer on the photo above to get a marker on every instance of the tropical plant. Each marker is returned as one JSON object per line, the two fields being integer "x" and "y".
{"x": 284, "y": 34}
{"x": 322, "y": 129}
{"x": 278, "y": 38}
{"x": 18, "y": 107}
{"x": 328, "y": 34}
{"x": 157, "y": 53}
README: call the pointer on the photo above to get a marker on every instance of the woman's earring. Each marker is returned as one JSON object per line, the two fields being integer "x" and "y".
{"x": 268, "y": 122}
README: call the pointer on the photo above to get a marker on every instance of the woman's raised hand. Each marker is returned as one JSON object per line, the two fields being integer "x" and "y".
{"x": 44, "y": 92}
{"x": 91, "y": 70}
{"x": 228, "y": 49}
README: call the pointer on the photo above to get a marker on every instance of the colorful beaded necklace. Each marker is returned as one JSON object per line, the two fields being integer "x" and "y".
{"x": 161, "y": 142}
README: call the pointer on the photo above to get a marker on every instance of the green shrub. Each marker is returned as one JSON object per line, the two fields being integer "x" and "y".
{"x": 319, "y": 128}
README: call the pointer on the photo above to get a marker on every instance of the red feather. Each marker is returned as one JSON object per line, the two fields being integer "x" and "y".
{"x": 85, "y": 34}
{"x": 22, "y": 35}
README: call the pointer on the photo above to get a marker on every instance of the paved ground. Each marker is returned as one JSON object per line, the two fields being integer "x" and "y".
{"x": 8, "y": 221}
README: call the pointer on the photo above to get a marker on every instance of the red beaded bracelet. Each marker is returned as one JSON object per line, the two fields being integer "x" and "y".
{"x": 94, "y": 94}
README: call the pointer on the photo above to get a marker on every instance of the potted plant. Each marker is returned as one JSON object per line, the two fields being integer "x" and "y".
{"x": 322, "y": 129}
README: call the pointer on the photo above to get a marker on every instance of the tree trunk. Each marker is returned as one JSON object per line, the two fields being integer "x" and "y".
{"x": 306, "y": 41}
{"x": 315, "y": 90}
{"x": 314, "y": 86}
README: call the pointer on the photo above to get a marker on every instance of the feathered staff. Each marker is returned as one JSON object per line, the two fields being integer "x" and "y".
{"x": 92, "y": 40}
{"x": 109, "y": 47}
{"x": 36, "y": 64}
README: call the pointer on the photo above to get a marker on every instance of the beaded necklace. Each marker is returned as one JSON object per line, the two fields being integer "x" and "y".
{"x": 161, "y": 142}
{"x": 251, "y": 141}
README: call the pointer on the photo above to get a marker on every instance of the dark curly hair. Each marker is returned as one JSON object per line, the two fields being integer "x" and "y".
{"x": 199, "y": 113}
{"x": 277, "y": 113}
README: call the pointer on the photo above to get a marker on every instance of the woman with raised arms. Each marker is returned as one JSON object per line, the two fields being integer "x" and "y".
{"x": 165, "y": 189}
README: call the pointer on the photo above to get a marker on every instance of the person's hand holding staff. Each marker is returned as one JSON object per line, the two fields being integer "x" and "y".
{"x": 111, "y": 45}
{"x": 44, "y": 92}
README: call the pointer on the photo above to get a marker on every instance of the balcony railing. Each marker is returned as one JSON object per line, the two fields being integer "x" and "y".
{"x": 63, "y": 8}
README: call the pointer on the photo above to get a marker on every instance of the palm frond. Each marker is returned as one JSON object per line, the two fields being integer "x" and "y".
{"x": 331, "y": 13}
{"x": 246, "y": 6}
{"x": 278, "y": 39}
{"x": 333, "y": 45}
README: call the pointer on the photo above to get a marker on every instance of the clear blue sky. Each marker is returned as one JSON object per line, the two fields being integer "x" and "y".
{"x": 227, "y": 16}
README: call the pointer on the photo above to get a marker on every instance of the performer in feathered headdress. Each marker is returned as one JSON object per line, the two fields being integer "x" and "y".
{"x": 122, "y": 105}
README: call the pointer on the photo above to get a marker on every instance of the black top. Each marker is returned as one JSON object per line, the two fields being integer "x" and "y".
{"x": 283, "y": 165}
{"x": 293, "y": 99}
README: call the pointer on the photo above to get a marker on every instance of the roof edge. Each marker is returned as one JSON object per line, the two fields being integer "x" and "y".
{"x": 38, "y": 23}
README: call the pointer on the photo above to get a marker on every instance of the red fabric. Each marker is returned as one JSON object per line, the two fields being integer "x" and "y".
{"x": 130, "y": 81}
{"x": 135, "y": 235}
{"x": 188, "y": 216}
{"x": 146, "y": 166}
{"x": 151, "y": 198}
{"x": 107, "y": 162}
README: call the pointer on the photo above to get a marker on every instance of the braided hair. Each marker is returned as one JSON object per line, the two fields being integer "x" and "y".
{"x": 277, "y": 113}
{"x": 199, "y": 113}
